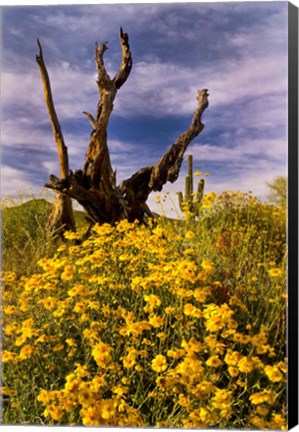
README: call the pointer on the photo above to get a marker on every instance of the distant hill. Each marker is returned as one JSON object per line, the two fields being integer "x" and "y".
{"x": 32, "y": 214}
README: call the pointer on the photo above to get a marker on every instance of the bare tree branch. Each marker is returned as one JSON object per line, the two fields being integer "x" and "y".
{"x": 91, "y": 119}
{"x": 152, "y": 178}
{"x": 62, "y": 212}
{"x": 97, "y": 165}
{"x": 168, "y": 167}
{"x": 57, "y": 132}
{"x": 127, "y": 61}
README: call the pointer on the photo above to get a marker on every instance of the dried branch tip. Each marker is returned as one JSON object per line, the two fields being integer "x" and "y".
{"x": 202, "y": 97}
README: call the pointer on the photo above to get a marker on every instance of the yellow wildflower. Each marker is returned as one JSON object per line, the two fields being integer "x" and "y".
{"x": 68, "y": 273}
{"x": 278, "y": 422}
{"x": 266, "y": 396}
{"x": 170, "y": 310}
{"x": 8, "y": 392}
{"x": 48, "y": 303}
{"x": 233, "y": 371}
{"x": 214, "y": 324}
{"x": 222, "y": 399}
{"x": 71, "y": 342}
{"x": 9, "y": 356}
{"x": 201, "y": 294}
{"x": 54, "y": 411}
{"x": 27, "y": 351}
{"x": 81, "y": 370}
{"x": 204, "y": 389}
{"x": 275, "y": 272}
{"x": 159, "y": 363}
{"x": 190, "y": 310}
{"x": 85, "y": 394}
{"x": 77, "y": 290}
{"x": 189, "y": 235}
{"x": 58, "y": 347}
{"x": 11, "y": 329}
{"x": 214, "y": 361}
{"x": 9, "y": 310}
{"x": 245, "y": 365}
{"x": 262, "y": 410}
{"x": 101, "y": 352}
{"x": 258, "y": 422}
{"x": 176, "y": 353}
{"x": 273, "y": 373}
{"x": 79, "y": 307}
{"x": 156, "y": 321}
{"x": 232, "y": 357}
{"x": 129, "y": 362}
{"x": 107, "y": 409}
{"x": 207, "y": 265}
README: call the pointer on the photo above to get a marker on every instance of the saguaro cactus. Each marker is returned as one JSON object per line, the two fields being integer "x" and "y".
{"x": 190, "y": 204}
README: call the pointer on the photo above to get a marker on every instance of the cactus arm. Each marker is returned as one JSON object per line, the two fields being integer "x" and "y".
{"x": 181, "y": 201}
{"x": 190, "y": 172}
{"x": 189, "y": 203}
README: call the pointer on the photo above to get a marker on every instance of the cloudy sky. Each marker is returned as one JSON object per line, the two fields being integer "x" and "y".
{"x": 236, "y": 50}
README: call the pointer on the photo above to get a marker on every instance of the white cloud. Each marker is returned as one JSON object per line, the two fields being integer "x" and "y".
{"x": 162, "y": 89}
{"x": 13, "y": 180}
{"x": 258, "y": 148}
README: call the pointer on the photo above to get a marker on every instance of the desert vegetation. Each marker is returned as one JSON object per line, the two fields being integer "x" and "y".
{"x": 173, "y": 323}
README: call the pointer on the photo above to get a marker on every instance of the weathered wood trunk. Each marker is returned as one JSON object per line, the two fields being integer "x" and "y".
{"x": 94, "y": 186}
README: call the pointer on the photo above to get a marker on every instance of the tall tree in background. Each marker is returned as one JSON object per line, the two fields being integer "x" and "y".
{"x": 278, "y": 191}
{"x": 94, "y": 186}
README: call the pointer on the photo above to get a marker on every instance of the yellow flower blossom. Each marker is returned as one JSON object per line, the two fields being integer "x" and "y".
{"x": 7, "y": 391}
{"x": 190, "y": 310}
{"x": 11, "y": 329}
{"x": 79, "y": 307}
{"x": 68, "y": 273}
{"x": 265, "y": 396}
{"x": 156, "y": 321}
{"x": 189, "y": 235}
{"x": 273, "y": 373}
{"x": 159, "y": 363}
{"x": 101, "y": 352}
{"x": 27, "y": 351}
{"x": 9, "y": 356}
{"x": 129, "y": 362}
{"x": 201, "y": 294}
{"x": 232, "y": 357}
{"x": 233, "y": 371}
{"x": 77, "y": 290}
{"x": 48, "y": 303}
{"x": 71, "y": 342}
{"x": 207, "y": 265}
{"x": 54, "y": 411}
{"x": 214, "y": 361}
{"x": 81, "y": 370}
{"x": 58, "y": 347}
{"x": 214, "y": 324}
{"x": 245, "y": 365}
{"x": 275, "y": 272}
{"x": 107, "y": 409}
{"x": 222, "y": 399}
{"x": 176, "y": 354}
{"x": 9, "y": 310}
{"x": 153, "y": 301}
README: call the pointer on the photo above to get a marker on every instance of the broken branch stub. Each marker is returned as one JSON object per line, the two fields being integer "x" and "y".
{"x": 95, "y": 187}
